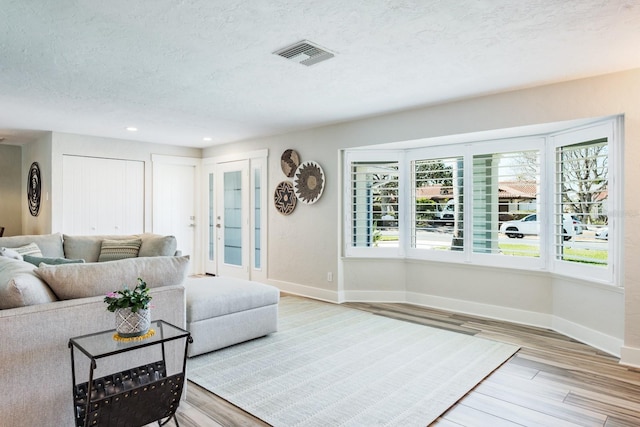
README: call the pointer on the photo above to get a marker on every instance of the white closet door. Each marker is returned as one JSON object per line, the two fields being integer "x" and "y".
{"x": 102, "y": 196}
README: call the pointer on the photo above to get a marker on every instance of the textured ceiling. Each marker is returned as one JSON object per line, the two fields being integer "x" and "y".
{"x": 180, "y": 70}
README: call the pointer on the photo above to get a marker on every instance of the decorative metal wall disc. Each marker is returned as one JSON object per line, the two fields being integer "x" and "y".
{"x": 289, "y": 162}
{"x": 34, "y": 189}
{"x": 308, "y": 182}
{"x": 284, "y": 198}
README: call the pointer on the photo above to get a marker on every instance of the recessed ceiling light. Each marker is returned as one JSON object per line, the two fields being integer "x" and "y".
{"x": 207, "y": 138}
{"x": 132, "y": 129}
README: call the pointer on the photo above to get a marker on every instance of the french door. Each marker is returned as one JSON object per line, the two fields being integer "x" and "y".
{"x": 235, "y": 194}
{"x": 232, "y": 219}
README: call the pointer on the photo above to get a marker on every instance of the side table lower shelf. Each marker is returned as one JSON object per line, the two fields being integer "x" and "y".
{"x": 137, "y": 396}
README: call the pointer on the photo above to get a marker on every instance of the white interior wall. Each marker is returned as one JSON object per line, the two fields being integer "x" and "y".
{"x": 92, "y": 146}
{"x": 38, "y": 151}
{"x": 11, "y": 198}
{"x": 305, "y": 245}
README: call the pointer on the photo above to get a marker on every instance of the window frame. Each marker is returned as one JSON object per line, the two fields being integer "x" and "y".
{"x": 611, "y": 130}
{"x": 546, "y": 143}
{"x": 432, "y": 153}
{"x": 527, "y": 143}
{"x": 373, "y": 156}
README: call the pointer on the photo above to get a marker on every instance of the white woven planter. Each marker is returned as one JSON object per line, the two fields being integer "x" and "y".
{"x": 130, "y": 324}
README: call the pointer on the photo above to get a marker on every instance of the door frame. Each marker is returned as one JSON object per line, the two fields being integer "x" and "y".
{"x": 258, "y": 161}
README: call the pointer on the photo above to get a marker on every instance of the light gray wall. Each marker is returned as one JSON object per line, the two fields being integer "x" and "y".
{"x": 301, "y": 247}
{"x": 305, "y": 245}
{"x": 11, "y": 198}
{"x": 38, "y": 151}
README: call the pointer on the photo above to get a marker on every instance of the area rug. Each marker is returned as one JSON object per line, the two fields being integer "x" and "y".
{"x": 330, "y": 365}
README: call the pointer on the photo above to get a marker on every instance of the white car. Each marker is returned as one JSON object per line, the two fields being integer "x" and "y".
{"x": 530, "y": 226}
{"x": 603, "y": 233}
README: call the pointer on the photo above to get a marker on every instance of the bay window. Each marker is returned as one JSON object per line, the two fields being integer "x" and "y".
{"x": 537, "y": 202}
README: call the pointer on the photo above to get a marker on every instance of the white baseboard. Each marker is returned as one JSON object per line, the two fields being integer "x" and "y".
{"x": 595, "y": 339}
{"x": 375, "y": 296}
{"x": 483, "y": 310}
{"x": 606, "y": 343}
{"x": 306, "y": 291}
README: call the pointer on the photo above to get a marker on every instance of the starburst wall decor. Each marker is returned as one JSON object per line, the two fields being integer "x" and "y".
{"x": 284, "y": 198}
{"x": 308, "y": 182}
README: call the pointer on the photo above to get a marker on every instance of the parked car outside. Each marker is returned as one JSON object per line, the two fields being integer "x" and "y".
{"x": 603, "y": 233}
{"x": 578, "y": 225}
{"x": 530, "y": 226}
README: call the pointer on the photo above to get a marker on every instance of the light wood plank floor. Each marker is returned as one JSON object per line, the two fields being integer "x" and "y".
{"x": 552, "y": 381}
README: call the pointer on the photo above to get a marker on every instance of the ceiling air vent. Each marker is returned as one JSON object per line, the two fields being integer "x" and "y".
{"x": 305, "y": 52}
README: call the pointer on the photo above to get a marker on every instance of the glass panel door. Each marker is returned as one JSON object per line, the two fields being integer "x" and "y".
{"x": 232, "y": 219}
{"x": 232, "y": 222}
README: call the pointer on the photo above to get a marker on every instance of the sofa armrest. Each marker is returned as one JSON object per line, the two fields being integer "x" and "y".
{"x": 35, "y": 353}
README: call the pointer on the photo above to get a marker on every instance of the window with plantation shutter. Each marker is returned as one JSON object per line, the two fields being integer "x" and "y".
{"x": 540, "y": 202}
{"x": 582, "y": 198}
{"x": 374, "y": 204}
{"x": 437, "y": 204}
{"x": 506, "y": 201}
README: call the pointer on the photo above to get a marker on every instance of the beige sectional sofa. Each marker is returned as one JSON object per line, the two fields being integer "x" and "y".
{"x": 43, "y": 306}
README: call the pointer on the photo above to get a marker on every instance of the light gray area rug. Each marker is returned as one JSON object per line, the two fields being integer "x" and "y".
{"x": 330, "y": 365}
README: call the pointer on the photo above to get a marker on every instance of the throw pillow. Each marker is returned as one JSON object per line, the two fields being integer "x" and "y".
{"x": 112, "y": 250}
{"x": 10, "y": 253}
{"x": 157, "y": 245}
{"x": 30, "y": 249}
{"x": 36, "y": 260}
{"x": 19, "y": 286}
{"x": 71, "y": 281}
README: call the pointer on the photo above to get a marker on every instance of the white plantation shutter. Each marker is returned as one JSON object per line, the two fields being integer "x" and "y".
{"x": 437, "y": 204}
{"x": 506, "y": 186}
{"x": 374, "y": 204}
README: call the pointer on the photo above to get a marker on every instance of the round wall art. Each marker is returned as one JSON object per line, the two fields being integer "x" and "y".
{"x": 34, "y": 189}
{"x": 289, "y": 162}
{"x": 284, "y": 198}
{"x": 308, "y": 182}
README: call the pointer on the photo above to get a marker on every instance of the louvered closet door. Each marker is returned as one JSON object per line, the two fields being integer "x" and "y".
{"x": 102, "y": 196}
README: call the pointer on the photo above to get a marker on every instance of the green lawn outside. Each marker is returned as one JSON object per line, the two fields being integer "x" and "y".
{"x": 587, "y": 256}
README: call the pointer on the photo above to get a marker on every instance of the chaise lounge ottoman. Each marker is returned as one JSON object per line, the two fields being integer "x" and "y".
{"x": 222, "y": 311}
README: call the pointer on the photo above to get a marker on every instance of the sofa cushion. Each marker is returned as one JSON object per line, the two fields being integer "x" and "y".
{"x": 112, "y": 250}
{"x": 88, "y": 247}
{"x": 19, "y": 286}
{"x": 50, "y": 244}
{"x": 70, "y": 281}
{"x": 37, "y": 260}
{"x": 219, "y": 296}
{"x": 157, "y": 245}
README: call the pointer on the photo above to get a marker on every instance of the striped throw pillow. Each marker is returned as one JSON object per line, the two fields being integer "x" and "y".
{"x": 30, "y": 249}
{"x": 112, "y": 250}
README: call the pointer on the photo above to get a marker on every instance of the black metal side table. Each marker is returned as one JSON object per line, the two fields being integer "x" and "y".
{"x": 133, "y": 397}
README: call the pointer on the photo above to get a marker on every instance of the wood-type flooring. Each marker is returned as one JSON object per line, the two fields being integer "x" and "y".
{"x": 551, "y": 381}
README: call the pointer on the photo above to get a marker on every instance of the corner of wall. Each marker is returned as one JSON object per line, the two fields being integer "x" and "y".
{"x": 630, "y": 356}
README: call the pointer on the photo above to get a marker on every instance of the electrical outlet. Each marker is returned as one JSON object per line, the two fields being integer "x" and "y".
{"x": 329, "y": 277}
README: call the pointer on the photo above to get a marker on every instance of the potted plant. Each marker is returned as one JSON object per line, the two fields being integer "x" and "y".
{"x": 131, "y": 306}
